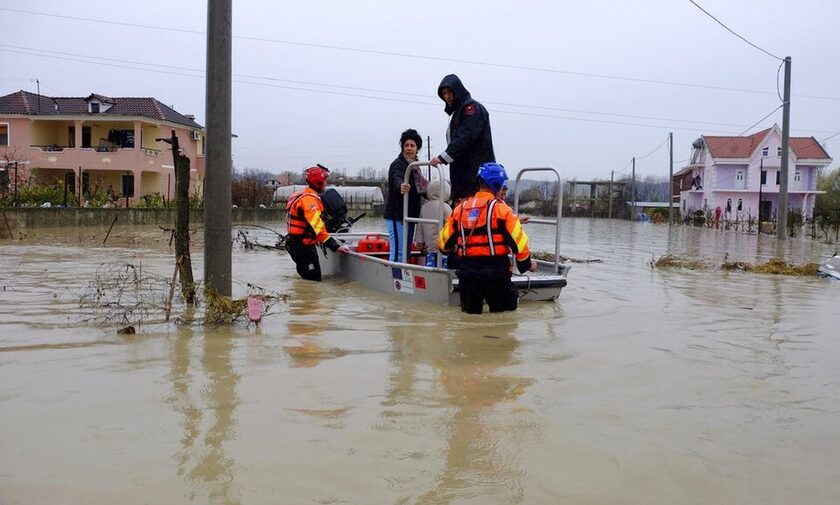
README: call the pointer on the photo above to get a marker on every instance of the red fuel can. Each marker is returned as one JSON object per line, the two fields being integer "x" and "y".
{"x": 373, "y": 244}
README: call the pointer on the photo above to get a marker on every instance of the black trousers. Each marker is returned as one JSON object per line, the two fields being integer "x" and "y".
{"x": 305, "y": 258}
{"x": 494, "y": 287}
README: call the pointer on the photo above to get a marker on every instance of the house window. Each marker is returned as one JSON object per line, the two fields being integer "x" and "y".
{"x": 765, "y": 151}
{"x": 779, "y": 151}
{"x": 728, "y": 205}
{"x": 740, "y": 204}
{"x": 797, "y": 176}
{"x": 764, "y": 176}
{"x": 739, "y": 175}
{"x": 94, "y": 107}
{"x": 778, "y": 175}
{"x": 4, "y": 134}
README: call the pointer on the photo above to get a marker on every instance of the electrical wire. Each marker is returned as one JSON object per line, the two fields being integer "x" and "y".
{"x": 730, "y": 30}
{"x": 35, "y": 51}
{"x": 778, "y": 93}
{"x": 657, "y": 148}
{"x": 186, "y": 73}
{"x": 417, "y": 56}
{"x": 830, "y": 137}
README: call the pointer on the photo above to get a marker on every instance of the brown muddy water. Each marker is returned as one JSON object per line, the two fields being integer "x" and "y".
{"x": 637, "y": 386}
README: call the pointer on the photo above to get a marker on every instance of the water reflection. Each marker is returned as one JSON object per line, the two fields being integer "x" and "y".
{"x": 466, "y": 366}
{"x": 303, "y": 345}
{"x": 204, "y": 461}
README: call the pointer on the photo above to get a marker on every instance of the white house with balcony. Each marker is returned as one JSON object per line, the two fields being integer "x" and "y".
{"x": 741, "y": 175}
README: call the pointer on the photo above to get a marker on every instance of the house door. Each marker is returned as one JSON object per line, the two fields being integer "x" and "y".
{"x": 765, "y": 209}
{"x": 85, "y": 136}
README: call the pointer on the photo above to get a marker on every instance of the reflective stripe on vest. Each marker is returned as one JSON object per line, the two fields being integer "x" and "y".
{"x": 296, "y": 223}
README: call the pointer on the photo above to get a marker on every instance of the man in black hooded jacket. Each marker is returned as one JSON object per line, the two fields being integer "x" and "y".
{"x": 469, "y": 140}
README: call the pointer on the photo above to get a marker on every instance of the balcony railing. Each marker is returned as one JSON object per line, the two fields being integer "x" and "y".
{"x": 51, "y": 148}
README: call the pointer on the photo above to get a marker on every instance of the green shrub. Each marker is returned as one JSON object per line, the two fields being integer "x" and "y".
{"x": 151, "y": 201}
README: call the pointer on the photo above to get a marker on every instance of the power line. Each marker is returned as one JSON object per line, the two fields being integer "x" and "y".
{"x": 418, "y": 56}
{"x": 760, "y": 120}
{"x": 657, "y": 148}
{"x": 730, "y": 30}
{"x": 198, "y": 73}
{"x": 620, "y": 123}
{"x": 830, "y": 137}
{"x": 310, "y": 83}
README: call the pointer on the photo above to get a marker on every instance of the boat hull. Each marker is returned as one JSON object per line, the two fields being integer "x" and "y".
{"x": 427, "y": 284}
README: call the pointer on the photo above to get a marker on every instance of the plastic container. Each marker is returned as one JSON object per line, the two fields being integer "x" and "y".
{"x": 373, "y": 244}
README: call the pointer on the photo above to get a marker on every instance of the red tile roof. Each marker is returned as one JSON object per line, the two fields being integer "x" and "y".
{"x": 744, "y": 147}
{"x": 734, "y": 147}
{"x": 26, "y": 103}
{"x": 807, "y": 148}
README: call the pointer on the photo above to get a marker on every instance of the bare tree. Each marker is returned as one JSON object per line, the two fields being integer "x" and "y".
{"x": 252, "y": 188}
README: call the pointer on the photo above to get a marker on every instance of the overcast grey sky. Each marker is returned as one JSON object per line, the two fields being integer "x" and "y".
{"x": 336, "y": 82}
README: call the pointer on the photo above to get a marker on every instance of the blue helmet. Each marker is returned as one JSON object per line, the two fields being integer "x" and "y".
{"x": 493, "y": 174}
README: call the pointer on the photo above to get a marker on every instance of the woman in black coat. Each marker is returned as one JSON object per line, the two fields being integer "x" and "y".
{"x": 410, "y": 144}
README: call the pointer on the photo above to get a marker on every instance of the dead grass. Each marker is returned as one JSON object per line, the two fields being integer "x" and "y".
{"x": 673, "y": 261}
{"x": 773, "y": 266}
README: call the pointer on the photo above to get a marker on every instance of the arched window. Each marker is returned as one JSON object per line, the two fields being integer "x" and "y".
{"x": 797, "y": 176}
{"x": 740, "y": 204}
{"x": 739, "y": 175}
{"x": 728, "y": 205}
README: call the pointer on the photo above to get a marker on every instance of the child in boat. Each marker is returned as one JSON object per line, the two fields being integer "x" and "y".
{"x": 427, "y": 233}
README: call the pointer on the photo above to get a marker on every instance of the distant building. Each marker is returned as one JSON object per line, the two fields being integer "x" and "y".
{"x": 97, "y": 141}
{"x": 741, "y": 175}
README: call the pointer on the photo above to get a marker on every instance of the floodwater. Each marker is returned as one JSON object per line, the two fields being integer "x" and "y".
{"x": 637, "y": 386}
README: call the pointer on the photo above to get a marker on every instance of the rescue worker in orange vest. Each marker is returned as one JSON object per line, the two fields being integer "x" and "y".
{"x": 305, "y": 228}
{"x": 486, "y": 231}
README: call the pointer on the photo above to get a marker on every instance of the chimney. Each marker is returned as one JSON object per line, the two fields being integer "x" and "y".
{"x": 191, "y": 117}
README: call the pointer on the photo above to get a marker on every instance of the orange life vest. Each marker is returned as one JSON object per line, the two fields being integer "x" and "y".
{"x": 478, "y": 224}
{"x": 303, "y": 217}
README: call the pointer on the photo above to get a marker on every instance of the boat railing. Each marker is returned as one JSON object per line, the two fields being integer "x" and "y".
{"x": 406, "y": 219}
{"x": 555, "y": 222}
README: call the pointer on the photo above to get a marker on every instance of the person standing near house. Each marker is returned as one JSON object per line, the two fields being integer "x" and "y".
{"x": 305, "y": 228}
{"x": 468, "y": 137}
{"x": 111, "y": 195}
{"x": 410, "y": 144}
{"x": 486, "y": 232}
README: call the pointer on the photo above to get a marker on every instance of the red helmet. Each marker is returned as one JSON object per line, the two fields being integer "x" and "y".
{"x": 317, "y": 177}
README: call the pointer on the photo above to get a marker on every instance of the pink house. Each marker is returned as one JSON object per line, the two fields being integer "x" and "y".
{"x": 741, "y": 175}
{"x": 95, "y": 142}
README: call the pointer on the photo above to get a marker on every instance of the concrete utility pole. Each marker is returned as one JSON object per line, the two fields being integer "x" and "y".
{"x": 633, "y": 215}
{"x": 670, "y": 178}
{"x": 782, "y": 217}
{"x": 217, "y": 180}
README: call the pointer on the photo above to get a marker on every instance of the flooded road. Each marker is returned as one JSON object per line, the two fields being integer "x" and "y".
{"x": 637, "y": 386}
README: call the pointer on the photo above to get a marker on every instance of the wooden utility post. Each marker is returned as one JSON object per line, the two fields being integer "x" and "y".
{"x": 609, "y": 214}
{"x": 182, "y": 219}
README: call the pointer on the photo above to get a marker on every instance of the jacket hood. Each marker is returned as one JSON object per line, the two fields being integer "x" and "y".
{"x": 452, "y": 82}
{"x": 433, "y": 191}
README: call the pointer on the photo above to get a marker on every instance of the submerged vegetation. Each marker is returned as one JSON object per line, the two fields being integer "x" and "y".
{"x": 125, "y": 294}
{"x": 773, "y": 266}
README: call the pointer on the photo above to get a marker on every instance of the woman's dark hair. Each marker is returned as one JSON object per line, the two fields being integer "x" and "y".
{"x": 411, "y": 134}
